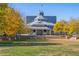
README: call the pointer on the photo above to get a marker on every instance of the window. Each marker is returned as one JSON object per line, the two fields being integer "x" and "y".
{"x": 39, "y": 19}
{"x": 33, "y": 30}
{"x": 44, "y": 30}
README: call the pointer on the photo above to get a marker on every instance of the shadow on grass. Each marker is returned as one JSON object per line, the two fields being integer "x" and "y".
{"x": 27, "y": 41}
{"x": 27, "y": 44}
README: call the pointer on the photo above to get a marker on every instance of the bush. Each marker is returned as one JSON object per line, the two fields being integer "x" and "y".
{"x": 30, "y": 39}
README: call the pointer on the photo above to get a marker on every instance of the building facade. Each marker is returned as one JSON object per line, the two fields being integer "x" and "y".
{"x": 40, "y": 24}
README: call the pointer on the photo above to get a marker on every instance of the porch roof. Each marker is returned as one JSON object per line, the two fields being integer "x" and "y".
{"x": 41, "y": 28}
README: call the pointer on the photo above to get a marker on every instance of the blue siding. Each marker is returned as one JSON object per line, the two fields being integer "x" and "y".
{"x": 30, "y": 18}
{"x": 51, "y": 19}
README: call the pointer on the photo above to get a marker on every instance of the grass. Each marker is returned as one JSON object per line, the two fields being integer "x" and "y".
{"x": 55, "y": 47}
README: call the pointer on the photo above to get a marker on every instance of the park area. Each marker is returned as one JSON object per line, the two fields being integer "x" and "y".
{"x": 40, "y": 47}
{"x": 39, "y": 38}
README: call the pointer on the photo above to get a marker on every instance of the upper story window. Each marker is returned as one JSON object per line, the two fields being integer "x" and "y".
{"x": 39, "y": 19}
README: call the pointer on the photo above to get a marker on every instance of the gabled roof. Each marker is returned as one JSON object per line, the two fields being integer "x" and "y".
{"x": 39, "y": 17}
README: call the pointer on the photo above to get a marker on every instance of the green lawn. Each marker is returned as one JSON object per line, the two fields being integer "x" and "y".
{"x": 65, "y": 48}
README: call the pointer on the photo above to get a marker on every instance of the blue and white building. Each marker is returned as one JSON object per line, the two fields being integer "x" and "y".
{"x": 41, "y": 25}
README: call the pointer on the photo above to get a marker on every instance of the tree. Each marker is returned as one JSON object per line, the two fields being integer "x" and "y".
{"x": 59, "y": 26}
{"x": 74, "y": 26}
{"x": 10, "y": 21}
{"x": 69, "y": 28}
{"x": 23, "y": 29}
{"x": 66, "y": 28}
{"x": 2, "y": 18}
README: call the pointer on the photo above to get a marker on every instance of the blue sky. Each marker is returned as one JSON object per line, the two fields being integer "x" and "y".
{"x": 61, "y": 10}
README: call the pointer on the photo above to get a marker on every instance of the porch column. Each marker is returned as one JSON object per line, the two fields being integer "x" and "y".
{"x": 50, "y": 32}
{"x": 42, "y": 32}
{"x": 36, "y": 31}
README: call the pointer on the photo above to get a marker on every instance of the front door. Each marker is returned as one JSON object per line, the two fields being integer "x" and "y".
{"x": 39, "y": 32}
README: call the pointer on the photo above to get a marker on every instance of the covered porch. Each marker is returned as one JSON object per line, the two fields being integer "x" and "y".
{"x": 41, "y": 31}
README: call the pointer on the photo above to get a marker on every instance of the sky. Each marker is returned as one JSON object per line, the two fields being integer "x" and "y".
{"x": 60, "y": 10}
